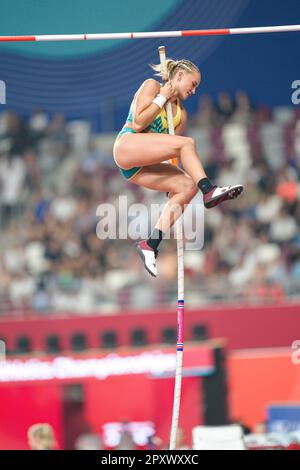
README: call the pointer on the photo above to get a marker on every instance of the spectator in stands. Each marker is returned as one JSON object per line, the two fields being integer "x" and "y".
{"x": 12, "y": 178}
{"x": 225, "y": 107}
{"x": 37, "y": 125}
{"x": 41, "y": 436}
{"x": 206, "y": 115}
{"x": 33, "y": 171}
{"x": 88, "y": 440}
{"x": 154, "y": 443}
{"x": 284, "y": 227}
{"x": 288, "y": 185}
{"x": 243, "y": 112}
{"x": 126, "y": 440}
{"x": 16, "y": 134}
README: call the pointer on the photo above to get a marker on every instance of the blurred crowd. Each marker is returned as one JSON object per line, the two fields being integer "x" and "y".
{"x": 130, "y": 436}
{"x": 55, "y": 174}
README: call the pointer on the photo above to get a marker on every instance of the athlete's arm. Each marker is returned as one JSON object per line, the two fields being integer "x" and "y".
{"x": 144, "y": 111}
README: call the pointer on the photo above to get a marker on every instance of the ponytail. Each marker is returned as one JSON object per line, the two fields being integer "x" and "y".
{"x": 172, "y": 67}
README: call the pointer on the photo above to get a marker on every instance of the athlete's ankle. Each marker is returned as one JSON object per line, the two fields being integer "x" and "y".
{"x": 205, "y": 185}
{"x": 155, "y": 239}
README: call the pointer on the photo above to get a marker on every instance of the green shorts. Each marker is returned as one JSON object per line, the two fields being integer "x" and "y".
{"x": 129, "y": 173}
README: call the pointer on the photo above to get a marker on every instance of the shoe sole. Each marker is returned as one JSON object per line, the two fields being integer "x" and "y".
{"x": 231, "y": 193}
{"x": 140, "y": 252}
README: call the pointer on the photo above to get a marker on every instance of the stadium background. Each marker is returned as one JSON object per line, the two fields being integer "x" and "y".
{"x": 63, "y": 291}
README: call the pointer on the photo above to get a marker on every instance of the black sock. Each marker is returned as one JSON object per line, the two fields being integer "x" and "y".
{"x": 205, "y": 185}
{"x": 155, "y": 239}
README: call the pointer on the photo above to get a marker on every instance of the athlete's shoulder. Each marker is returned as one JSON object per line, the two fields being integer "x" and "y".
{"x": 153, "y": 81}
{"x": 148, "y": 87}
{"x": 151, "y": 84}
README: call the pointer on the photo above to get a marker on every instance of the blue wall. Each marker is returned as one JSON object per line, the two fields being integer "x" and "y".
{"x": 89, "y": 83}
{"x": 265, "y": 65}
{"x": 28, "y": 17}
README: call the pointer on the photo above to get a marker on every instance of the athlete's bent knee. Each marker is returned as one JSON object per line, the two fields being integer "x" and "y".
{"x": 189, "y": 187}
{"x": 185, "y": 186}
{"x": 189, "y": 141}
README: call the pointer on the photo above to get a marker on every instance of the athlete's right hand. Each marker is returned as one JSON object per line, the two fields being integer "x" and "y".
{"x": 167, "y": 90}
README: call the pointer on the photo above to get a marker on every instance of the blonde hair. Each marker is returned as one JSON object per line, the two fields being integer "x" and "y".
{"x": 173, "y": 66}
{"x": 43, "y": 434}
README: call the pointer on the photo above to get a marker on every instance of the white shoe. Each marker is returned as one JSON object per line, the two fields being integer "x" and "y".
{"x": 148, "y": 256}
{"x": 218, "y": 195}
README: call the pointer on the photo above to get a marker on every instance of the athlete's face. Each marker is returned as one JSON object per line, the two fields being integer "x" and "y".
{"x": 186, "y": 83}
